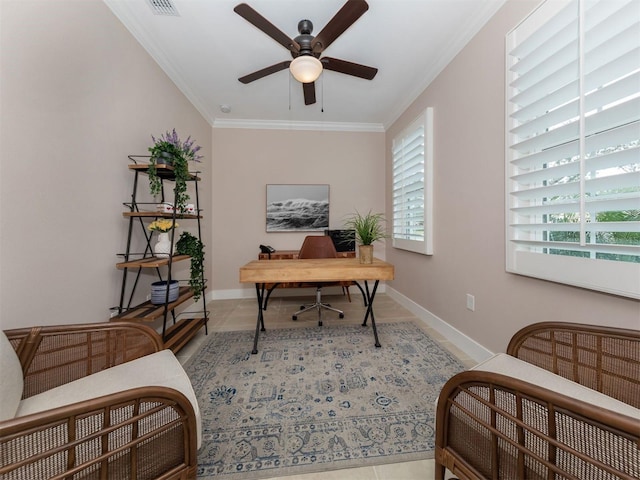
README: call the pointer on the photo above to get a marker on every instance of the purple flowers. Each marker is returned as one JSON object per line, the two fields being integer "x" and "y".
{"x": 171, "y": 142}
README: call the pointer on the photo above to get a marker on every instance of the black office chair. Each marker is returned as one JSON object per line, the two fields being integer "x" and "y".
{"x": 316, "y": 246}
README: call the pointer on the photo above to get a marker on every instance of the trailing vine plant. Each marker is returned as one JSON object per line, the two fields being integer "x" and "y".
{"x": 155, "y": 184}
{"x": 164, "y": 151}
{"x": 192, "y": 246}
{"x": 177, "y": 153}
{"x": 181, "y": 172}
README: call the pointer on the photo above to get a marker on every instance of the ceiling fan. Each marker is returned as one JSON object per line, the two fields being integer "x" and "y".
{"x": 306, "y": 50}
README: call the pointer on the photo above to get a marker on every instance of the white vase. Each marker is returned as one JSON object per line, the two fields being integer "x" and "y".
{"x": 163, "y": 246}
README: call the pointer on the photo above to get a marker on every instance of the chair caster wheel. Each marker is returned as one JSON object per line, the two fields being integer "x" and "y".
{"x": 294, "y": 317}
{"x": 302, "y": 307}
{"x": 341, "y": 315}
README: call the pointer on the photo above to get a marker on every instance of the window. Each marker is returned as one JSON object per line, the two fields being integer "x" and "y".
{"x": 412, "y": 152}
{"x": 573, "y": 145}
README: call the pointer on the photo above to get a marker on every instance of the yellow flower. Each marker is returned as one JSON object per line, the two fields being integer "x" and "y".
{"x": 163, "y": 225}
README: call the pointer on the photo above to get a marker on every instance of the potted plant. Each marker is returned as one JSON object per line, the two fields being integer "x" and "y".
{"x": 369, "y": 228}
{"x": 163, "y": 247}
{"x": 192, "y": 246}
{"x": 170, "y": 150}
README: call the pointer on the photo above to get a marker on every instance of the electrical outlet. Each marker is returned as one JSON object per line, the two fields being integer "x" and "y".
{"x": 471, "y": 302}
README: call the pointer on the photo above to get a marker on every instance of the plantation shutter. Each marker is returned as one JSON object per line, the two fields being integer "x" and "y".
{"x": 411, "y": 186}
{"x": 573, "y": 145}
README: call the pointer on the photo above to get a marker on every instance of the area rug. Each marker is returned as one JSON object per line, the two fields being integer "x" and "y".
{"x": 316, "y": 399}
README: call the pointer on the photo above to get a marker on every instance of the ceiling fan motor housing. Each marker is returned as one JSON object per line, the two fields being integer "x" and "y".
{"x": 305, "y": 27}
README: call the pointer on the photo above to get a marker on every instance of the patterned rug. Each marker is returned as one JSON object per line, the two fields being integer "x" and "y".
{"x": 316, "y": 399}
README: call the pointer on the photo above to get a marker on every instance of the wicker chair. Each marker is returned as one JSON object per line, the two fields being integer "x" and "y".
{"x": 146, "y": 432}
{"x": 562, "y": 404}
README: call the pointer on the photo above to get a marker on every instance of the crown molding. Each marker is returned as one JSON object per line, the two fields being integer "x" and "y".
{"x": 295, "y": 125}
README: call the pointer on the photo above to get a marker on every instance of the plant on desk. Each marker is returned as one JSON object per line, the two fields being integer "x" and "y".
{"x": 369, "y": 228}
{"x": 192, "y": 246}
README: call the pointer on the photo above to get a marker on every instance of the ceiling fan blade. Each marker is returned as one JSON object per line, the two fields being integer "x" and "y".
{"x": 346, "y": 16}
{"x": 265, "y": 71}
{"x": 349, "y": 68}
{"x": 253, "y": 17}
{"x": 309, "y": 90}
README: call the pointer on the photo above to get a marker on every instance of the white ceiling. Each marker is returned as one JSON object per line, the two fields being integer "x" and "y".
{"x": 208, "y": 46}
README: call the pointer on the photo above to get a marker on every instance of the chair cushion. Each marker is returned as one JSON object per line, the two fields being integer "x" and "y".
{"x": 11, "y": 379}
{"x": 158, "y": 369}
{"x": 507, "y": 365}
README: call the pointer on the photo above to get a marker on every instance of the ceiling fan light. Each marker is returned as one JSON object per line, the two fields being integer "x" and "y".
{"x": 306, "y": 68}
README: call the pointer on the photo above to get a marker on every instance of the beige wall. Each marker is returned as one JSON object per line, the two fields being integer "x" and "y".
{"x": 469, "y": 238}
{"x": 78, "y": 94}
{"x": 245, "y": 161}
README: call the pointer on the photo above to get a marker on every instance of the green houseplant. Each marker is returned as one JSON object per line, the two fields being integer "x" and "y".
{"x": 369, "y": 228}
{"x": 192, "y": 246}
{"x": 169, "y": 149}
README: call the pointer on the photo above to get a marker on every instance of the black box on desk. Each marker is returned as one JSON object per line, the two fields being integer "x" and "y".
{"x": 344, "y": 240}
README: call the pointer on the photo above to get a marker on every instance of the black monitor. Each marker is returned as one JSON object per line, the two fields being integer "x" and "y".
{"x": 344, "y": 240}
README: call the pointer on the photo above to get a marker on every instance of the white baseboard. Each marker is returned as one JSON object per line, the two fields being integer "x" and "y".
{"x": 231, "y": 294}
{"x": 455, "y": 336}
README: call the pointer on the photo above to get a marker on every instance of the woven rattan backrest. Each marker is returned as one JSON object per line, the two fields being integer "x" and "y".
{"x": 146, "y": 433}
{"x": 605, "y": 359}
{"x": 507, "y": 429}
{"x": 52, "y": 356}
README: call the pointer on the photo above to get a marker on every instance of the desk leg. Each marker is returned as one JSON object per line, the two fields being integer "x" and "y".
{"x": 370, "y": 297}
{"x": 364, "y": 296}
{"x": 266, "y": 299}
{"x": 260, "y": 320}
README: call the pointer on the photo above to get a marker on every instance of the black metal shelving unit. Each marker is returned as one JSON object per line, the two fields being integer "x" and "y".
{"x": 176, "y": 332}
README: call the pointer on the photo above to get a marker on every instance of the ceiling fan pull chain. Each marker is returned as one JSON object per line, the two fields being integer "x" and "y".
{"x": 322, "y": 94}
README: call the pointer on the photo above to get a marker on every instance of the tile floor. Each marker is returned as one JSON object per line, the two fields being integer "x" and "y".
{"x": 239, "y": 314}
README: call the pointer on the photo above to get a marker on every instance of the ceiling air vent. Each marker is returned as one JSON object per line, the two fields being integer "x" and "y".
{"x": 163, "y": 7}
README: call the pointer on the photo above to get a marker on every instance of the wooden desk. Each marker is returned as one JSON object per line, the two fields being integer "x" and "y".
{"x": 262, "y": 272}
{"x": 292, "y": 255}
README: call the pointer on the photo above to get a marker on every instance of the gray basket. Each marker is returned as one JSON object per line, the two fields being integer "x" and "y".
{"x": 159, "y": 291}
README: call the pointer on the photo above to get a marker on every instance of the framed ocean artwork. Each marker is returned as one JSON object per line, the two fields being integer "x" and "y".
{"x": 297, "y": 208}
